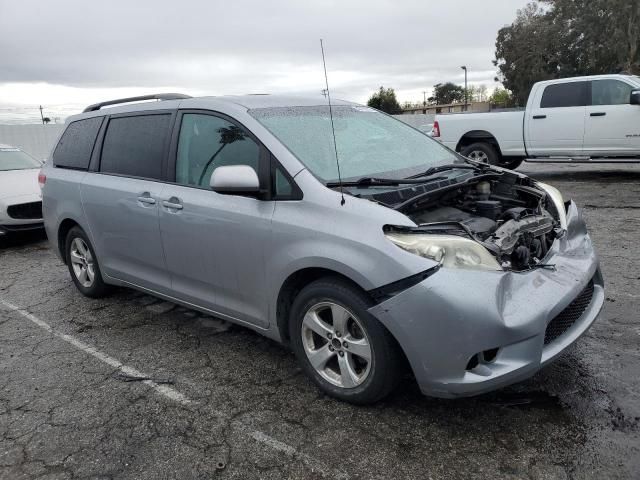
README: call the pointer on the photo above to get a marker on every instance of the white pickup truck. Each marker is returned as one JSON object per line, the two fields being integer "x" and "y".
{"x": 581, "y": 119}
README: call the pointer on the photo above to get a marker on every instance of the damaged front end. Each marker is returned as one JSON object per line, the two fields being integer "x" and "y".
{"x": 494, "y": 221}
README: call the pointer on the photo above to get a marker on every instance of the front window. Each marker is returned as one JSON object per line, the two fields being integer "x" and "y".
{"x": 16, "y": 159}
{"x": 207, "y": 142}
{"x": 610, "y": 92}
{"x": 369, "y": 143}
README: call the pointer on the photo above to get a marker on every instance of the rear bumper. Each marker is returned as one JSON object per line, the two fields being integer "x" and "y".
{"x": 443, "y": 322}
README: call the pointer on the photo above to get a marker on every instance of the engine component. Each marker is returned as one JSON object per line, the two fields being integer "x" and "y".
{"x": 481, "y": 226}
{"x": 506, "y": 237}
{"x": 489, "y": 208}
{"x": 520, "y": 257}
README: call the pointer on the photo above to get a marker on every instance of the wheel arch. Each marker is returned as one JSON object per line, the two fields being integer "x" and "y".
{"x": 478, "y": 136}
{"x": 292, "y": 285}
{"x": 63, "y": 230}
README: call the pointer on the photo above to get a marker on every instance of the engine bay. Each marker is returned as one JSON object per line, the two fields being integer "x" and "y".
{"x": 507, "y": 214}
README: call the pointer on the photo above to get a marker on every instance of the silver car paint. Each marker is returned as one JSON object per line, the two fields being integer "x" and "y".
{"x": 230, "y": 255}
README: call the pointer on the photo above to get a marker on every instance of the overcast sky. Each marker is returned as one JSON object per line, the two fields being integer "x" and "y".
{"x": 66, "y": 54}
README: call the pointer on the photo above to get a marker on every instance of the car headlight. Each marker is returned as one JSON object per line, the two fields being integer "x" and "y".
{"x": 558, "y": 202}
{"x": 448, "y": 250}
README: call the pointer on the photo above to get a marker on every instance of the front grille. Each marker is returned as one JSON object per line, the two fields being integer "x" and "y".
{"x": 26, "y": 211}
{"x": 567, "y": 317}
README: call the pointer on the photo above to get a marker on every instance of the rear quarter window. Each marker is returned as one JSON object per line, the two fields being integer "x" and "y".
{"x": 135, "y": 146}
{"x": 76, "y": 144}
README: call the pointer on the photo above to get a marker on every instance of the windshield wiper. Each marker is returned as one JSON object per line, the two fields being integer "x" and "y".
{"x": 451, "y": 166}
{"x": 380, "y": 182}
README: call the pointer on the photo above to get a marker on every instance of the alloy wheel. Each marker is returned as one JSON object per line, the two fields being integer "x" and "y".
{"x": 336, "y": 344}
{"x": 82, "y": 262}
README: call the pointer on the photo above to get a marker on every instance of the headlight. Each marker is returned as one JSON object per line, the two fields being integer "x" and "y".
{"x": 448, "y": 250}
{"x": 558, "y": 202}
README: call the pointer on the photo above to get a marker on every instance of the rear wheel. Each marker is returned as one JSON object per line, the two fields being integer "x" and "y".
{"x": 83, "y": 264}
{"x": 340, "y": 345}
{"x": 482, "y": 152}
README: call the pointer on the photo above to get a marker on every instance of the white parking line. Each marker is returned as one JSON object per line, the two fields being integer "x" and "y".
{"x": 163, "y": 390}
{"x": 172, "y": 394}
{"x": 314, "y": 464}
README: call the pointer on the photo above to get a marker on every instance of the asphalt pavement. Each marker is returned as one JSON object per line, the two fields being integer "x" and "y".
{"x": 137, "y": 388}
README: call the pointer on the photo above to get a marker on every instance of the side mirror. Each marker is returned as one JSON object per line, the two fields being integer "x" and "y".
{"x": 235, "y": 179}
{"x": 635, "y": 97}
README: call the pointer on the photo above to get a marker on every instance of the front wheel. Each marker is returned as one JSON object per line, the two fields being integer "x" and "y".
{"x": 340, "y": 345}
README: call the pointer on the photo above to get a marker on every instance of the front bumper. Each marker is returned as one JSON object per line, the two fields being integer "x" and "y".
{"x": 447, "y": 319}
{"x": 22, "y": 227}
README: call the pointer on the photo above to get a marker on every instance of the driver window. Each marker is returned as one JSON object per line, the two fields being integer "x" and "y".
{"x": 207, "y": 142}
{"x": 610, "y": 92}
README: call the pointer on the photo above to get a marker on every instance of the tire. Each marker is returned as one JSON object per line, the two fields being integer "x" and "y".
{"x": 80, "y": 258}
{"x": 512, "y": 164}
{"x": 345, "y": 375}
{"x": 482, "y": 152}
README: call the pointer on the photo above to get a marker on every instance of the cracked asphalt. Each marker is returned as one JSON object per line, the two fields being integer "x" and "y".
{"x": 248, "y": 411}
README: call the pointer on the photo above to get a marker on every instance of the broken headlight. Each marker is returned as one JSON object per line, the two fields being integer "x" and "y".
{"x": 448, "y": 250}
{"x": 558, "y": 202}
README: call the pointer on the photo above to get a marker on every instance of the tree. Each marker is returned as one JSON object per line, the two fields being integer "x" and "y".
{"x": 481, "y": 93}
{"x": 46, "y": 120}
{"x": 564, "y": 38}
{"x": 501, "y": 98}
{"x": 446, "y": 93}
{"x": 385, "y": 100}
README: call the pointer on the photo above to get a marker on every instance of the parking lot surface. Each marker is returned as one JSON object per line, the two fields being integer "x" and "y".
{"x": 134, "y": 387}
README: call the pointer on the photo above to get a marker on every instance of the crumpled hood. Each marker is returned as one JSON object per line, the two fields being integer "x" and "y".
{"x": 18, "y": 183}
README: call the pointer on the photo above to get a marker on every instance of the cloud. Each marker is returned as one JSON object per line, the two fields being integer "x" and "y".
{"x": 230, "y": 47}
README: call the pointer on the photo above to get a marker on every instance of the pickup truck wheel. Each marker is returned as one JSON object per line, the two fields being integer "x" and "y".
{"x": 513, "y": 164}
{"x": 482, "y": 152}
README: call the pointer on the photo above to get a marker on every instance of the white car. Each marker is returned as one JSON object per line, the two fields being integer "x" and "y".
{"x": 20, "y": 196}
{"x": 581, "y": 119}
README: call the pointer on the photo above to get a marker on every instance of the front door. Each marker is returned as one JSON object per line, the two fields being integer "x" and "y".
{"x": 214, "y": 244}
{"x": 612, "y": 124}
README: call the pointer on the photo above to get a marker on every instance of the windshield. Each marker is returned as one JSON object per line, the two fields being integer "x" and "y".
{"x": 369, "y": 143}
{"x": 15, "y": 159}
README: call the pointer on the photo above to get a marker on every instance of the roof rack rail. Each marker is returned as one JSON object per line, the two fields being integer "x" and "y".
{"x": 157, "y": 96}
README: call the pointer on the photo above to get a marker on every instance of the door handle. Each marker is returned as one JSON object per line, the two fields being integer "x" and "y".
{"x": 598, "y": 114}
{"x": 146, "y": 199}
{"x": 539, "y": 117}
{"x": 173, "y": 203}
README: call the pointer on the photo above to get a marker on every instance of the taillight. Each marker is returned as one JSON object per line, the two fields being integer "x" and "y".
{"x": 435, "y": 132}
{"x": 42, "y": 179}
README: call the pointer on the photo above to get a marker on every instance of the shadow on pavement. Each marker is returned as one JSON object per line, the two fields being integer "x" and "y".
{"x": 22, "y": 239}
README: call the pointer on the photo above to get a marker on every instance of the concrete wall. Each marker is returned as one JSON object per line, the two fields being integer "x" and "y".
{"x": 36, "y": 140}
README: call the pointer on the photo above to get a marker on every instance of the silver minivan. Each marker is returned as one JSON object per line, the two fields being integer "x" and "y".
{"x": 344, "y": 233}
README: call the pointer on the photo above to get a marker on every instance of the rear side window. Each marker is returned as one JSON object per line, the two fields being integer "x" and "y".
{"x": 135, "y": 146}
{"x": 572, "y": 94}
{"x": 76, "y": 144}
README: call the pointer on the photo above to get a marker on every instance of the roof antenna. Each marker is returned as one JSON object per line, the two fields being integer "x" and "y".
{"x": 333, "y": 130}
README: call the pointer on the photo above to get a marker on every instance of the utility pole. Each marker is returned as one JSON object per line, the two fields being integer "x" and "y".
{"x": 424, "y": 102}
{"x": 41, "y": 115}
{"x": 464, "y": 67}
